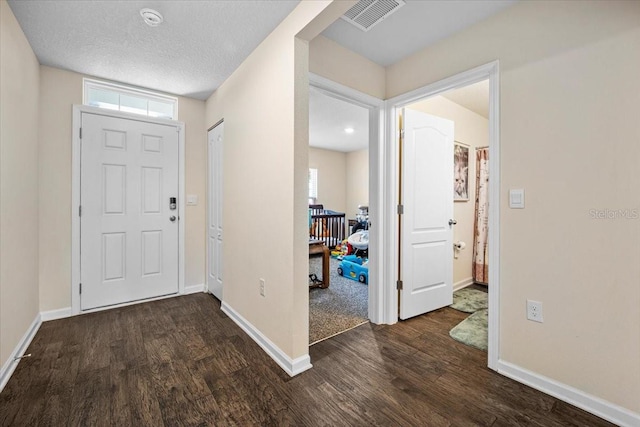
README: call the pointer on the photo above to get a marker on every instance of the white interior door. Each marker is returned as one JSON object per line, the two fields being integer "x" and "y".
{"x": 214, "y": 221}
{"x": 128, "y": 231}
{"x": 427, "y": 196}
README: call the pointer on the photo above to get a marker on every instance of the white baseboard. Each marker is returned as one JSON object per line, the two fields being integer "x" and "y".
{"x": 60, "y": 313}
{"x": 291, "y": 366}
{"x": 462, "y": 284}
{"x": 599, "y": 407}
{"x": 11, "y": 364}
{"x": 194, "y": 289}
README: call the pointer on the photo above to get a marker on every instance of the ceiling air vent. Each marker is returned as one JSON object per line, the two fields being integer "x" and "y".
{"x": 367, "y": 13}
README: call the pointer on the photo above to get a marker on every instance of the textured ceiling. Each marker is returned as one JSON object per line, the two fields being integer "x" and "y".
{"x": 202, "y": 42}
{"x": 413, "y": 27}
{"x": 328, "y": 118}
{"x": 197, "y": 47}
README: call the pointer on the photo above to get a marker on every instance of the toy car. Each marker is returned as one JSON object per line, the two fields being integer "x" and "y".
{"x": 354, "y": 268}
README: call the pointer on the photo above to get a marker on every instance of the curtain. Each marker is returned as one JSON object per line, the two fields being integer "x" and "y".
{"x": 481, "y": 223}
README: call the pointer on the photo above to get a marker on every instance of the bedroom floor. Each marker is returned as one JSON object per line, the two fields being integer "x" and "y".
{"x": 340, "y": 307}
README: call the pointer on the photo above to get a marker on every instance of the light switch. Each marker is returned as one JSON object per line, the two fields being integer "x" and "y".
{"x": 192, "y": 199}
{"x": 516, "y": 199}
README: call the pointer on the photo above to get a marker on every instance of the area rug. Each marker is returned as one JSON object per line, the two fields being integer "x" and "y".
{"x": 470, "y": 300}
{"x": 340, "y": 307}
{"x": 473, "y": 330}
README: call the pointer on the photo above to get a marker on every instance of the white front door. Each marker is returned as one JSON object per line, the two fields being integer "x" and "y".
{"x": 128, "y": 230}
{"x": 214, "y": 220}
{"x": 427, "y": 196}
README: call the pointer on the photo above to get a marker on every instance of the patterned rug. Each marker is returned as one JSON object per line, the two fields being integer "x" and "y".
{"x": 470, "y": 300}
{"x": 473, "y": 330}
{"x": 341, "y": 306}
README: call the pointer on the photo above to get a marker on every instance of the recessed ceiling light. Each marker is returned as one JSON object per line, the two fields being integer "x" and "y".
{"x": 349, "y": 130}
{"x": 151, "y": 17}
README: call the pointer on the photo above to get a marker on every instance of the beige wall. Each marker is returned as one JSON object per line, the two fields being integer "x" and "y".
{"x": 265, "y": 106}
{"x": 334, "y": 62}
{"x": 357, "y": 181}
{"x": 19, "y": 83}
{"x": 59, "y": 91}
{"x": 471, "y": 129}
{"x": 343, "y": 179}
{"x": 569, "y": 133}
{"x": 332, "y": 179}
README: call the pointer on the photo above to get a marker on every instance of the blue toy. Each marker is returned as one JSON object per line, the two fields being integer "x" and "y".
{"x": 354, "y": 268}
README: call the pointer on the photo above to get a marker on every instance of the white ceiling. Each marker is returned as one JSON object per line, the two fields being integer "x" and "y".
{"x": 197, "y": 47}
{"x": 328, "y": 118}
{"x": 201, "y": 43}
{"x": 412, "y": 27}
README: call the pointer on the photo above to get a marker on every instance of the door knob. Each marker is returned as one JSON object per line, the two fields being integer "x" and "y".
{"x": 452, "y": 222}
{"x": 172, "y": 218}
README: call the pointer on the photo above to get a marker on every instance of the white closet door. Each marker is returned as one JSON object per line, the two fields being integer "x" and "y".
{"x": 214, "y": 220}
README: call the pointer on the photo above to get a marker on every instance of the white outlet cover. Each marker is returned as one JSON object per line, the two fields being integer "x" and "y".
{"x": 534, "y": 311}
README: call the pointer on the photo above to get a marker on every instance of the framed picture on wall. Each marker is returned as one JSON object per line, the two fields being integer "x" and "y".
{"x": 460, "y": 172}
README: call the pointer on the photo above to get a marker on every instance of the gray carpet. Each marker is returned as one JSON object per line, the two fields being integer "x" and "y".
{"x": 341, "y": 306}
{"x": 473, "y": 330}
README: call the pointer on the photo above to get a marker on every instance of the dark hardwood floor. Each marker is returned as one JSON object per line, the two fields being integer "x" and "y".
{"x": 181, "y": 361}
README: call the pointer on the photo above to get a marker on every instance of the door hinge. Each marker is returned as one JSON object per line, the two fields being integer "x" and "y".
{"x": 80, "y": 287}
{"x": 80, "y": 133}
{"x": 399, "y": 285}
{"x": 80, "y": 210}
{"x": 400, "y": 209}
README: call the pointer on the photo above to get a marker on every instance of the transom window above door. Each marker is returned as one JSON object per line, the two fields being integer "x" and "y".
{"x": 111, "y": 96}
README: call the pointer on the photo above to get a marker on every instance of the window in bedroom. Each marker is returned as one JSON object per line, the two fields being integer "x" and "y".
{"x": 313, "y": 185}
{"x": 129, "y": 100}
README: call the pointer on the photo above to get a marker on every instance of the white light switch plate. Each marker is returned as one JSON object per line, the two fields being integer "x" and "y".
{"x": 516, "y": 199}
{"x": 192, "y": 199}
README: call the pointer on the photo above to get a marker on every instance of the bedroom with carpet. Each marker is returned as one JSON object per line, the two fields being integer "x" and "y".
{"x": 338, "y": 215}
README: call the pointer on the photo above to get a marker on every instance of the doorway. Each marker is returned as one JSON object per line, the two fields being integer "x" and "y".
{"x": 127, "y": 200}
{"x": 486, "y": 72}
{"x": 372, "y": 109}
{"x": 338, "y": 207}
{"x": 461, "y": 268}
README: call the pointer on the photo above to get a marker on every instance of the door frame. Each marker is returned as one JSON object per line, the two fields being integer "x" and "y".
{"x": 488, "y": 71}
{"x": 208, "y": 208}
{"x": 78, "y": 110}
{"x": 376, "y": 296}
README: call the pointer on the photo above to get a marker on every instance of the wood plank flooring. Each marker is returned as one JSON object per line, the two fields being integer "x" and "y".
{"x": 182, "y": 362}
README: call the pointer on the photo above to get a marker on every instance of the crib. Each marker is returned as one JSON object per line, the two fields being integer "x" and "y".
{"x": 326, "y": 225}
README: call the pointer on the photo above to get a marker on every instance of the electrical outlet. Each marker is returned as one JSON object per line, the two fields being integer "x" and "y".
{"x": 534, "y": 311}
{"x": 262, "y": 287}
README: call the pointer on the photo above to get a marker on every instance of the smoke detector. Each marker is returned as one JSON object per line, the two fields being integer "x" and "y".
{"x": 367, "y": 13}
{"x": 151, "y": 17}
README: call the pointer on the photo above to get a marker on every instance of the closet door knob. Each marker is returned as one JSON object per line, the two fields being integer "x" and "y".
{"x": 452, "y": 222}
